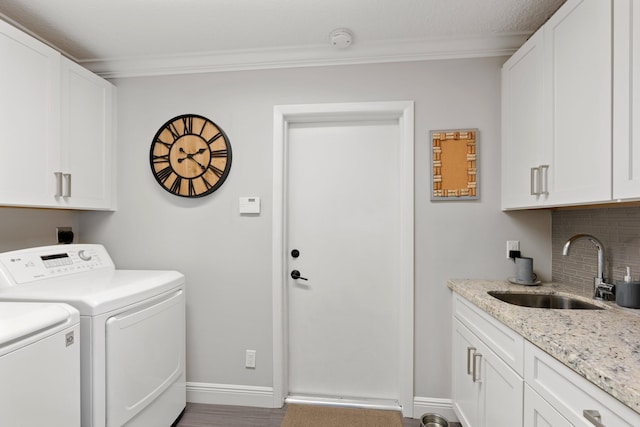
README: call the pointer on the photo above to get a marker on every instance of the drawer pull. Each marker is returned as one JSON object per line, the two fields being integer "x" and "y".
{"x": 476, "y": 356}
{"x": 594, "y": 417}
{"x": 469, "y": 350}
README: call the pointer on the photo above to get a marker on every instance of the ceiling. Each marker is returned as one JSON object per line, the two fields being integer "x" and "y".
{"x": 142, "y": 37}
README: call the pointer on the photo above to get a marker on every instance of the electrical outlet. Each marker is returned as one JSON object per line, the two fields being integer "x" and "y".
{"x": 250, "y": 359}
{"x": 64, "y": 234}
{"x": 512, "y": 245}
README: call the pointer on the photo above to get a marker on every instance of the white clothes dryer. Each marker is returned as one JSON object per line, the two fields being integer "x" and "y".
{"x": 132, "y": 329}
{"x": 39, "y": 365}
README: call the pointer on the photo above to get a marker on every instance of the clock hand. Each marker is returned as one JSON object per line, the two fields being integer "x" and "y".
{"x": 190, "y": 157}
{"x": 199, "y": 164}
{"x": 200, "y": 151}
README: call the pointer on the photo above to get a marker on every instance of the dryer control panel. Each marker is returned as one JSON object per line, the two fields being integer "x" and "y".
{"x": 47, "y": 262}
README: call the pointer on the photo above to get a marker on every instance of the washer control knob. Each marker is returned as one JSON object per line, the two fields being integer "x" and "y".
{"x": 83, "y": 255}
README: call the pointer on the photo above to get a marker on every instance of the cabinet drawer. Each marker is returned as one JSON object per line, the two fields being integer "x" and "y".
{"x": 506, "y": 343}
{"x": 538, "y": 412}
{"x": 570, "y": 394}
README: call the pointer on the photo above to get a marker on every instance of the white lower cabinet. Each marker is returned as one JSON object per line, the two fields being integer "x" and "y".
{"x": 558, "y": 396}
{"x": 487, "y": 391}
{"x": 501, "y": 380}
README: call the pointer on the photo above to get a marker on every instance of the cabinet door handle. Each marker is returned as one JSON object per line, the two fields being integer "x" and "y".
{"x": 476, "y": 357}
{"x": 593, "y": 416}
{"x": 535, "y": 181}
{"x": 58, "y": 183}
{"x": 66, "y": 178}
{"x": 544, "y": 179}
{"x": 469, "y": 351}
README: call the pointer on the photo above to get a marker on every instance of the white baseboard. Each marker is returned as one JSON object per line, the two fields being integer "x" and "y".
{"x": 426, "y": 405}
{"x": 230, "y": 394}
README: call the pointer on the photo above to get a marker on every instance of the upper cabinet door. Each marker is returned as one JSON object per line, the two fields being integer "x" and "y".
{"x": 557, "y": 111}
{"x": 522, "y": 122}
{"x": 578, "y": 56}
{"x": 87, "y": 155}
{"x": 626, "y": 104}
{"x": 29, "y": 119}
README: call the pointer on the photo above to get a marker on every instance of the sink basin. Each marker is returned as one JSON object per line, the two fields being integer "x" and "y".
{"x": 543, "y": 301}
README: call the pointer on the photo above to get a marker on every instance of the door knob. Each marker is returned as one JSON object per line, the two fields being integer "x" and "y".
{"x": 295, "y": 274}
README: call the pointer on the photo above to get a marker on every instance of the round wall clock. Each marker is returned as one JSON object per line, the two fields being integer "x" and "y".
{"x": 190, "y": 156}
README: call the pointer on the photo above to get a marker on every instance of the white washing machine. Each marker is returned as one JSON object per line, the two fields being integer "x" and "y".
{"x": 132, "y": 330}
{"x": 39, "y": 365}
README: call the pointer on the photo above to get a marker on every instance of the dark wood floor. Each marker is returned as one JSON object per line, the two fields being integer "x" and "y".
{"x": 201, "y": 415}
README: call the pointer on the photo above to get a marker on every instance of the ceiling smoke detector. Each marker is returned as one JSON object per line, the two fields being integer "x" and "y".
{"x": 341, "y": 38}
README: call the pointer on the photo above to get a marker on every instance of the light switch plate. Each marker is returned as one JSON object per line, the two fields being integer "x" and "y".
{"x": 249, "y": 205}
{"x": 250, "y": 359}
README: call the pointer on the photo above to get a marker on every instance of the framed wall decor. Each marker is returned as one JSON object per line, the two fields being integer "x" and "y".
{"x": 454, "y": 166}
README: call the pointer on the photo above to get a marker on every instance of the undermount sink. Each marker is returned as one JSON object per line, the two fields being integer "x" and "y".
{"x": 543, "y": 300}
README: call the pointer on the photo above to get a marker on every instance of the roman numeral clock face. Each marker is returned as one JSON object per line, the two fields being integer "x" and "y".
{"x": 190, "y": 156}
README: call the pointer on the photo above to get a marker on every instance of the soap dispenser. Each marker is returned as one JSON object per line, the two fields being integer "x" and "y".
{"x": 628, "y": 291}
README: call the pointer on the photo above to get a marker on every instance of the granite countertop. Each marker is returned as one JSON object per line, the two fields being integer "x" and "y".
{"x": 603, "y": 346}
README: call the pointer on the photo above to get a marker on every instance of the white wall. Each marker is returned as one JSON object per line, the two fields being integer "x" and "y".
{"x": 227, "y": 258}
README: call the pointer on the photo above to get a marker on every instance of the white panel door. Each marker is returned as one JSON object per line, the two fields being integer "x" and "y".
{"x": 578, "y": 60}
{"x": 502, "y": 395}
{"x": 465, "y": 391}
{"x": 144, "y": 357}
{"x": 343, "y": 216}
{"x": 626, "y": 100}
{"x": 522, "y": 122}
{"x": 29, "y": 119}
{"x": 87, "y": 138}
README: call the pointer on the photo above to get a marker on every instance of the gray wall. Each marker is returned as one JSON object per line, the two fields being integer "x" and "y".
{"x": 24, "y": 228}
{"x": 617, "y": 228}
{"x": 227, "y": 258}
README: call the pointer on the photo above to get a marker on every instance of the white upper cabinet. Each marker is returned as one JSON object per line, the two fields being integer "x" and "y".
{"x": 626, "y": 105}
{"x": 29, "y": 118}
{"x": 522, "y": 122}
{"x": 86, "y": 167}
{"x": 560, "y": 101}
{"x": 57, "y": 127}
{"x": 578, "y": 56}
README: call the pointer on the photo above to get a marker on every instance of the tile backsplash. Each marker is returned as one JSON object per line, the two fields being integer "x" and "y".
{"x": 617, "y": 228}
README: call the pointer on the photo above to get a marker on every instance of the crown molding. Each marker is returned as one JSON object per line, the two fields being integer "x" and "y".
{"x": 308, "y": 56}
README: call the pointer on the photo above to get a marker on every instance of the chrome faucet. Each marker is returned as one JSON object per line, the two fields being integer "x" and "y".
{"x": 601, "y": 289}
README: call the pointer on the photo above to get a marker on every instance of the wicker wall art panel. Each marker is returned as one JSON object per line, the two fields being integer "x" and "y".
{"x": 454, "y": 156}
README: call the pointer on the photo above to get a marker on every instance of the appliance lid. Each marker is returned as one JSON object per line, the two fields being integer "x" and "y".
{"x": 22, "y": 322}
{"x": 97, "y": 292}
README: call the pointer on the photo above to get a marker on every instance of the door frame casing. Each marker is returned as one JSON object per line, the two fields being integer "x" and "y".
{"x": 283, "y": 116}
